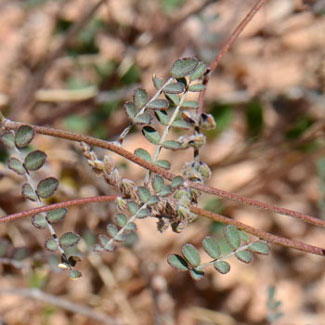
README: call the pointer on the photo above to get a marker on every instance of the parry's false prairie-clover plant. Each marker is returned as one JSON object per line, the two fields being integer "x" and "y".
{"x": 171, "y": 199}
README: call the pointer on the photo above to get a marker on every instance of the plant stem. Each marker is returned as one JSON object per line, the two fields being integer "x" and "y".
{"x": 32, "y": 212}
{"x": 234, "y": 35}
{"x": 162, "y": 172}
{"x": 270, "y": 238}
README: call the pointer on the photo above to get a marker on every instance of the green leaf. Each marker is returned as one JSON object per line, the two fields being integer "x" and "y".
{"x": 144, "y": 194}
{"x": 183, "y": 67}
{"x": 144, "y": 212}
{"x": 151, "y": 134}
{"x": 222, "y": 266}
{"x": 57, "y": 215}
{"x": 140, "y": 97}
{"x": 121, "y": 219}
{"x": 130, "y": 227}
{"x": 171, "y": 145}
{"x": 51, "y": 245}
{"x": 28, "y": 192}
{"x": 157, "y": 183}
{"x": 144, "y": 154}
{"x": 15, "y": 165}
{"x": 199, "y": 71}
{"x": 133, "y": 207}
{"x": 190, "y": 104}
{"x": 211, "y": 247}
{"x": 244, "y": 256}
{"x": 181, "y": 124}
{"x": 232, "y": 235}
{"x": 4, "y": 247}
{"x": 35, "y": 160}
{"x": 196, "y": 274}
{"x": 173, "y": 98}
{"x": 163, "y": 164}
{"x": 162, "y": 117}
{"x": 159, "y": 104}
{"x": 8, "y": 139}
{"x": 174, "y": 88}
{"x": 74, "y": 275}
{"x": 191, "y": 254}
{"x": 177, "y": 181}
{"x": 111, "y": 230}
{"x": 260, "y": 248}
{"x": 46, "y": 187}
{"x": 243, "y": 237}
{"x": 153, "y": 200}
{"x": 142, "y": 119}
{"x": 166, "y": 190}
{"x": 196, "y": 88}
{"x": 39, "y": 221}
{"x": 24, "y": 136}
{"x": 177, "y": 262}
{"x": 130, "y": 109}
{"x": 157, "y": 82}
{"x": 69, "y": 239}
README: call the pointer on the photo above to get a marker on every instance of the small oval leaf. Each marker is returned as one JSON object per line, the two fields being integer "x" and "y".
{"x": 35, "y": 160}
{"x": 57, "y": 215}
{"x": 157, "y": 183}
{"x": 121, "y": 219}
{"x": 177, "y": 262}
{"x": 163, "y": 164}
{"x": 8, "y": 139}
{"x": 157, "y": 82}
{"x": 183, "y": 67}
{"x": 151, "y": 134}
{"x": 232, "y": 235}
{"x": 177, "y": 181}
{"x": 159, "y": 104}
{"x": 69, "y": 239}
{"x": 24, "y": 135}
{"x": 196, "y": 274}
{"x": 244, "y": 256}
{"x": 173, "y": 98}
{"x": 74, "y": 275}
{"x": 181, "y": 124}
{"x": 174, "y": 88}
{"x": 171, "y": 145}
{"x": 196, "y": 88}
{"x": 143, "y": 193}
{"x": 133, "y": 207}
{"x": 165, "y": 191}
{"x": 211, "y": 247}
{"x": 39, "y": 221}
{"x": 142, "y": 119}
{"x": 140, "y": 97}
{"x": 51, "y": 245}
{"x": 46, "y": 187}
{"x": 162, "y": 117}
{"x": 199, "y": 71}
{"x": 260, "y": 247}
{"x": 111, "y": 230}
{"x": 28, "y": 192}
{"x": 191, "y": 254}
{"x": 190, "y": 104}
{"x": 222, "y": 266}
{"x": 130, "y": 109}
{"x": 144, "y": 154}
{"x": 15, "y": 165}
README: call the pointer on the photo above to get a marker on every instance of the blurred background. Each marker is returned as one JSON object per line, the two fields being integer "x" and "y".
{"x": 72, "y": 64}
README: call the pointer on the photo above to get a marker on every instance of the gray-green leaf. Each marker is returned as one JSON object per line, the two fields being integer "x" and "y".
{"x": 260, "y": 248}
{"x": 191, "y": 254}
{"x": 183, "y": 67}
{"x": 177, "y": 262}
{"x": 46, "y": 187}
{"x": 140, "y": 97}
{"x": 222, "y": 266}
{"x": 232, "y": 235}
{"x": 144, "y": 154}
{"x": 35, "y": 160}
{"x": 151, "y": 134}
{"x": 24, "y": 136}
{"x": 211, "y": 247}
{"x": 15, "y": 165}
{"x": 69, "y": 239}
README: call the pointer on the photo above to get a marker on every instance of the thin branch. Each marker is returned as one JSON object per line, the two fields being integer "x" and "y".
{"x": 32, "y": 212}
{"x": 162, "y": 172}
{"x": 270, "y": 238}
{"x": 234, "y": 35}
{"x": 60, "y": 302}
{"x": 26, "y": 97}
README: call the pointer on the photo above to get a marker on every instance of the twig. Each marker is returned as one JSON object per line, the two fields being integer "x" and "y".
{"x": 270, "y": 238}
{"x": 26, "y": 97}
{"x": 60, "y": 302}
{"x": 32, "y": 212}
{"x": 234, "y": 35}
{"x": 166, "y": 174}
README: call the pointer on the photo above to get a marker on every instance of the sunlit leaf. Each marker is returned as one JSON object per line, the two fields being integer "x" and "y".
{"x": 157, "y": 82}
{"x": 35, "y": 160}
{"x": 24, "y": 135}
{"x": 177, "y": 181}
{"x": 69, "y": 239}
{"x": 196, "y": 88}
{"x": 142, "y": 119}
{"x": 57, "y": 215}
{"x": 183, "y": 67}
{"x": 39, "y": 221}
{"x": 162, "y": 117}
{"x": 171, "y": 145}
{"x": 51, "y": 245}
{"x": 28, "y": 192}
{"x": 177, "y": 262}
{"x": 158, "y": 183}
{"x": 159, "y": 104}
{"x": 140, "y": 97}
{"x": 8, "y": 139}
{"x": 175, "y": 88}
{"x": 144, "y": 194}
{"x": 211, "y": 247}
{"x": 144, "y": 154}
{"x": 163, "y": 164}
{"x": 232, "y": 235}
{"x": 46, "y": 187}
{"x": 191, "y": 254}
{"x": 196, "y": 274}
{"x": 199, "y": 71}
{"x": 260, "y": 248}
{"x": 190, "y": 104}
{"x": 15, "y": 165}
{"x": 151, "y": 134}
{"x": 130, "y": 109}
{"x": 244, "y": 256}
{"x": 222, "y": 266}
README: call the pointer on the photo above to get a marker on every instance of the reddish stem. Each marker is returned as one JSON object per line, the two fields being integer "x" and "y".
{"x": 234, "y": 35}
{"x": 32, "y": 212}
